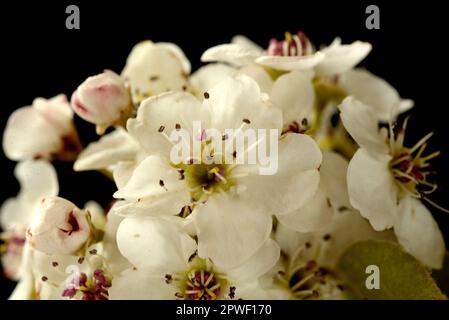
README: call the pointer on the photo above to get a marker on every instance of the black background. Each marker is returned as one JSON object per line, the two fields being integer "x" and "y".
{"x": 40, "y": 57}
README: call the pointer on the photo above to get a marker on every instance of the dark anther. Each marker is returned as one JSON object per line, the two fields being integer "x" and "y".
{"x": 206, "y": 95}
{"x": 232, "y": 292}
{"x": 161, "y": 128}
{"x": 304, "y": 122}
{"x": 168, "y": 278}
{"x": 246, "y": 121}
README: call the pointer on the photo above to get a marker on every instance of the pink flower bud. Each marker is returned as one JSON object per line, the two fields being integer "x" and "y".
{"x": 103, "y": 100}
{"x": 59, "y": 227}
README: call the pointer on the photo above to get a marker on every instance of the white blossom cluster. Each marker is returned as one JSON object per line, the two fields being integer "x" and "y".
{"x": 195, "y": 230}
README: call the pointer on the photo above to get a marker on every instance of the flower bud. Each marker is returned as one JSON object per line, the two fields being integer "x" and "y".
{"x": 103, "y": 100}
{"x": 59, "y": 227}
{"x": 43, "y": 130}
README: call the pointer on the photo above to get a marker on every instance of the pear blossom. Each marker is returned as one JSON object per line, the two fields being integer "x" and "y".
{"x": 43, "y": 130}
{"x": 387, "y": 180}
{"x": 152, "y": 68}
{"x": 296, "y": 52}
{"x": 306, "y": 269}
{"x": 171, "y": 267}
{"x": 59, "y": 227}
{"x": 221, "y": 196}
{"x": 38, "y": 180}
{"x": 85, "y": 276}
{"x": 103, "y": 100}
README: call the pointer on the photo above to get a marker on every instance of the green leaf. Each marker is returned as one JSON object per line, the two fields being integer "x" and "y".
{"x": 401, "y": 276}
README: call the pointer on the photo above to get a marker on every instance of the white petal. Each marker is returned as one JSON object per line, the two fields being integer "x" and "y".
{"x": 155, "y": 68}
{"x": 294, "y": 183}
{"x": 419, "y": 233}
{"x": 122, "y": 172}
{"x": 162, "y": 205}
{"x": 293, "y": 93}
{"x": 177, "y": 51}
{"x": 159, "y": 116}
{"x": 245, "y": 42}
{"x": 28, "y": 134}
{"x": 375, "y": 92}
{"x": 316, "y": 214}
{"x": 372, "y": 189}
{"x": 229, "y": 232}
{"x": 16, "y": 211}
{"x": 110, "y": 149}
{"x": 235, "y": 99}
{"x": 234, "y": 54}
{"x": 154, "y": 242}
{"x": 333, "y": 174}
{"x": 341, "y": 58}
{"x": 37, "y": 179}
{"x": 141, "y": 284}
{"x": 291, "y": 63}
{"x": 152, "y": 177}
{"x": 57, "y": 111}
{"x": 291, "y": 241}
{"x": 361, "y": 123}
{"x": 260, "y": 75}
{"x": 257, "y": 265}
{"x": 347, "y": 228}
{"x": 209, "y": 75}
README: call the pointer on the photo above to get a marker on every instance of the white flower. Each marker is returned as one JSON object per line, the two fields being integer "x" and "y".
{"x": 386, "y": 181}
{"x": 170, "y": 267}
{"x": 307, "y": 266}
{"x": 296, "y": 52}
{"x": 103, "y": 100}
{"x": 59, "y": 227}
{"x": 43, "y": 130}
{"x": 228, "y": 200}
{"x": 38, "y": 180}
{"x": 153, "y": 68}
{"x": 85, "y": 276}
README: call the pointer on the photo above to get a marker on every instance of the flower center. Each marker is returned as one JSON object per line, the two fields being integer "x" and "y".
{"x": 200, "y": 282}
{"x": 206, "y": 175}
{"x": 202, "y": 285}
{"x": 204, "y": 179}
{"x": 293, "y": 45}
{"x": 94, "y": 287}
{"x": 409, "y": 166}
